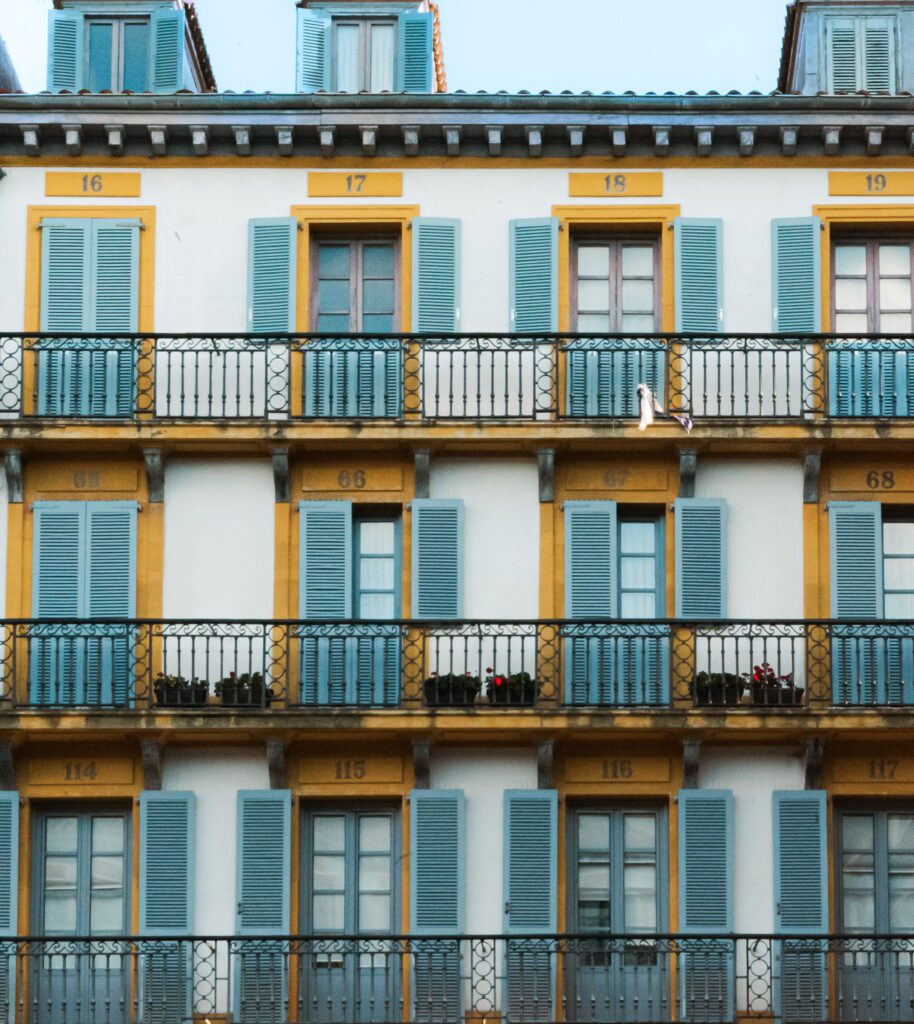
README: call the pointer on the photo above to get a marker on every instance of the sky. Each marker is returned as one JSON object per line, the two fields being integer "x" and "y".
{"x": 597, "y": 45}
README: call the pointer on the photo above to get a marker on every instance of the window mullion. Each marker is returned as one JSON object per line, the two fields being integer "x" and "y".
{"x": 357, "y": 265}
{"x": 615, "y": 287}
{"x": 872, "y": 286}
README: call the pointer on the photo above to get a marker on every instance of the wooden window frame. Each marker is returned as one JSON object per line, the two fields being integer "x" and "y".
{"x": 871, "y": 241}
{"x": 357, "y": 240}
{"x": 365, "y": 23}
{"x": 373, "y": 517}
{"x": 658, "y": 521}
{"x": 615, "y": 242}
{"x": 118, "y": 23}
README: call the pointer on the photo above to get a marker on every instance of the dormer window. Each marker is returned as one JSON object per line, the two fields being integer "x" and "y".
{"x": 861, "y": 54}
{"x": 117, "y": 54}
{"x": 364, "y": 55}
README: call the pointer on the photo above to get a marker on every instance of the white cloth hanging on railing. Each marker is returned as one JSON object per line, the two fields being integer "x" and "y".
{"x": 650, "y": 404}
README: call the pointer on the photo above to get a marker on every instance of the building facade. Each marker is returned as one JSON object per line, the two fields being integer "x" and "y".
{"x": 361, "y": 657}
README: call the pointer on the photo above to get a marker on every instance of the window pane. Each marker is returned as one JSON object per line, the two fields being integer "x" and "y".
{"x": 593, "y": 914}
{"x": 378, "y": 296}
{"x": 330, "y": 323}
{"x": 136, "y": 56}
{"x": 637, "y": 296}
{"x": 377, "y": 606}
{"x": 899, "y": 606}
{"x": 347, "y": 57}
{"x": 60, "y": 835}
{"x": 899, "y": 574}
{"x": 850, "y": 259}
{"x": 593, "y": 261}
{"x": 374, "y": 834}
{"x": 593, "y": 881}
{"x": 857, "y": 832}
{"x": 107, "y": 835}
{"x": 637, "y": 261}
{"x": 374, "y": 873}
{"x": 895, "y": 259}
{"x": 895, "y": 293}
{"x": 376, "y": 538}
{"x": 375, "y": 324}
{"x": 329, "y": 833}
{"x": 376, "y": 573}
{"x": 333, "y": 261}
{"x": 640, "y": 910}
{"x": 637, "y": 323}
{"x": 637, "y": 538}
{"x": 593, "y": 832}
{"x": 59, "y": 912}
{"x": 328, "y": 872}
{"x": 851, "y": 323}
{"x": 895, "y": 323}
{"x": 60, "y": 872}
{"x": 333, "y": 297}
{"x": 901, "y": 833}
{"x": 382, "y": 58}
{"x": 106, "y": 913}
{"x": 850, "y": 294}
{"x": 898, "y": 538}
{"x": 640, "y": 832}
{"x": 374, "y": 913}
{"x": 378, "y": 260}
{"x": 637, "y": 573}
{"x": 328, "y": 912}
{"x": 100, "y": 56}
{"x": 638, "y": 606}
{"x": 107, "y": 872}
{"x": 593, "y": 295}
{"x": 591, "y": 324}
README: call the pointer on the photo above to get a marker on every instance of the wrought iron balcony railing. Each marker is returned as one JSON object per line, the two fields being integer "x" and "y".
{"x": 496, "y": 665}
{"x": 422, "y": 378}
{"x": 590, "y": 978}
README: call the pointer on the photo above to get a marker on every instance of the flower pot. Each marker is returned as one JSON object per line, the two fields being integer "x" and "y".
{"x": 513, "y": 691}
{"x": 241, "y": 693}
{"x": 180, "y": 695}
{"x": 450, "y": 691}
{"x": 722, "y": 689}
{"x": 777, "y": 696}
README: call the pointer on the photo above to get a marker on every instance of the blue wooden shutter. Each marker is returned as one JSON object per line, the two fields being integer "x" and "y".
{"x": 437, "y": 861}
{"x": 699, "y": 286}
{"x": 706, "y": 902}
{"x": 437, "y": 553}
{"x": 603, "y": 379}
{"x": 801, "y": 903}
{"x": 264, "y": 861}
{"x": 325, "y": 595}
{"x": 272, "y": 246}
{"x": 859, "y": 670}
{"x": 9, "y": 894}
{"x": 66, "y": 43}
{"x": 878, "y": 54}
{"x": 107, "y": 380}
{"x": 166, "y": 863}
{"x": 701, "y": 558}
{"x": 797, "y": 281}
{"x": 436, "y": 272}
{"x": 843, "y": 56}
{"x": 534, "y": 275}
{"x": 312, "y": 59}
{"x": 166, "y": 52}
{"x": 414, "y": 52}
{"x": 66, "y": 278}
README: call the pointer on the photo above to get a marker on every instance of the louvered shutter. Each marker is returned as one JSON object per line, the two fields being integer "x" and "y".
{"x": 437, "y": 861}
{"x": 878, "y": 55}
{"x": 66, "y": 53}
{"x": 312, "y": 66}
{"x": 530, "y": 834}
{"x": 844, "y": 59}
{"x": 698, "y": 275}
{"x": 166, "y": 52}
{"x": 414, "y": 52}
{"x": 437, "y": 552}
{"x": 263, "y": 858}
{"x": 436, "y": 263}
{"x": 325, "y": 595}
{"x": 796, "y": 257}
{"x": 858, "y": 660}
{"x": 534, "y": 275}
{"x": 272, "y": 244}
{"x": 9, "y": 894}
{"x": 706, "y": 903}
{"x": 801, "y": 903}
{"x": 166, "y": 863}
{"x": 107, "y": 383}
{"x": 701, "y": 558}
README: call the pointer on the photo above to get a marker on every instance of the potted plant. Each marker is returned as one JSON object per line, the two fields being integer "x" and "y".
{"x": 712, "y": 689}
{"x": 770, "y": 689}
{"x": 515, "y": 690}
{"x": 244, "y": 691}
{"x": 177, "y": 692}
{"x": 451, "y": 689}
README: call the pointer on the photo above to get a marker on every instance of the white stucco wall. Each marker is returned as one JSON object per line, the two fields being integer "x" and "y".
{"x": 752, "y": 776}
{"x": 218, "y": 539}
{"x": 484, "y": 775}
{"x": 202, "y": 215}
{"x": 214, "y": 775}
{"x": 764, "y": 533}
{"x": 501, "y": 533}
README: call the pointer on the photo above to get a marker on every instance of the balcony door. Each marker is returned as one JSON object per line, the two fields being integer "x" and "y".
{"x": 875, "y": 860}
{"x": 616, "y": 886}
{"x": 615, "y": 289}
{"x": 349, "y": 873}
{"x": 355, "y": 289}
{"x": 81, "y": 872}
{"x": 871, "y": 294}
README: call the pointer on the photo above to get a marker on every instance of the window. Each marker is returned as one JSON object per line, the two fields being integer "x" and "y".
{"x": 615, "y": 289}
{"x": 364, "y": 54}
{"x": 354, "y": 290}
{"x": 376, "y": 584}
{"x": 117, "y": 54}
{"x": 861, "y": 54}
{"x": 898, "y": 566}
{"x": 872, "y": 286}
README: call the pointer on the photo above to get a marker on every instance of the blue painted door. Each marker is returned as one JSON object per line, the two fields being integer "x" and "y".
{"x": 617, "y": 876}
{"x": 349, "y": 887}
{"x": 81, "y": 889}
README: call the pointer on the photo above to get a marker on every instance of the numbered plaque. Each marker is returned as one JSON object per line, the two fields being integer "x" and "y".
{"x": 871, "y": 183}
{"x": 353, "y": 478}
{"x": 350, "y": 769}
{"x": 91, "y": 184}
{"x": 876, "y": 770}
{"x": 88, "y": 479}
{"x": 617, "y": 769}
{"x": 355, "y": 183}
{"x": 618, "y": 477}
{"x": 76, "y": 770}
{"x": 615, "y": 184}
{"x": 871, "y": 478}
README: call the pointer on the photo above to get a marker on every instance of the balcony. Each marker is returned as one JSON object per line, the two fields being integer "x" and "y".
{"x": 586, "y": 978}
{"x": 470, "y": 666}
{"x": 420, "y": 379}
